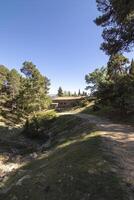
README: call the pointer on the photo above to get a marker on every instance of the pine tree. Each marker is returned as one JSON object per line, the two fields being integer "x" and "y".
{"x": 69, "y": 93}
{"x": 131, "y": 72}
{"x": 13, "y": 87}
{"x": 83, "y": 93}
{"x": 3, "y": 75}
{"x": 117, "y": 65}
{"x": 65, "y": 93}
{"x": 46, "y": 85}
{"x": 13, "y": 83}
{"x": 117, "y": 20}
{"x": 60, "y": 92}
{"x": 33, "y": 95}
{"x": 3, "y": 86}
{"x": 75, "y": 94}
{"x": 79, "y": 93}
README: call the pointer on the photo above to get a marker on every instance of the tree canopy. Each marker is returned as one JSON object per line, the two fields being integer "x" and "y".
{"x": 117, "y": 20}
{"x": 60, "y": 92}
{"x": 113, "y": 86}
{"x": 23, "y": 94}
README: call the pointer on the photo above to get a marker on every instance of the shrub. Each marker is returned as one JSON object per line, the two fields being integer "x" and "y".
{"x": 84, "y": 103}
{"x": 38, "y": 125}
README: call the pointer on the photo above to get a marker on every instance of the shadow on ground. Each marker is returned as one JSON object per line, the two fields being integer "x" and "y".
{"x": 75, "y": 167}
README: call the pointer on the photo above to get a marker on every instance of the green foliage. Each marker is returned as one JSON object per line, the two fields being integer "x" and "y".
{"x": 75, "y": 94}
{"x": 114, "y": 85}
{"x": 34, "y": 89}
{"x": 37, "y": 125}
{"x": 84, "y": 103}
{"x": 46, "y": 85}
{"x": 79, "y": 93}
{"x": 117, "y": 66}
{"x": 23, "y": 94}
{"x": 95, "y": 78}
{"x": 132, "y": 68}
{"x": 117, "y": 19}
{"x": 3, "y": 76}
{"x": 13, "y": 83}
{"x": 60, "y": 92}
{"x": 13, "y": 88}
{"x": 3, "y": 82}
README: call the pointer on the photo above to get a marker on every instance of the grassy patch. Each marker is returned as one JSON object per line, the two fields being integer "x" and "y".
{"x": 101, "y": 111}
{"x": 110, "y": 113}
{"x": 37, "y": 125}
{"x": 75, "y": 168}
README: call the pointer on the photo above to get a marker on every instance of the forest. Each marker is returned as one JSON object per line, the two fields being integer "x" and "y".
{"x": 23, "y": 93}
{"x": 113, "y": 86}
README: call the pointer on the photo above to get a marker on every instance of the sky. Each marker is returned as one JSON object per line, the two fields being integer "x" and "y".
{"x": 58, "y": 36}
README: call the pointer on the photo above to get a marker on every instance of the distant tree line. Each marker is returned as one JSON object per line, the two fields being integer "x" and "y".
{"x": 62, "y": 93}
{"x": 23, "y": 93}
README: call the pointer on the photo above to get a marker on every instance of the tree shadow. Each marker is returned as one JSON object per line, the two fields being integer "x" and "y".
{"x": 78, "y": 170}
{"x": 13, "y": 145}
{"x": 118, "y": 140}
{"x": 75, "y": 166}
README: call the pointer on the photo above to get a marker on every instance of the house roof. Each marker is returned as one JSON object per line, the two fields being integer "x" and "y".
{"x": 67, "y": 98}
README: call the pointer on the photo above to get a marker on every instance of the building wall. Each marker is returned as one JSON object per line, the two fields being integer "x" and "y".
{"x": 66, "y": 103}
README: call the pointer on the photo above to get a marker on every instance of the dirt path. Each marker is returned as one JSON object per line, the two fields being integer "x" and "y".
{"x": 118, "y": 141}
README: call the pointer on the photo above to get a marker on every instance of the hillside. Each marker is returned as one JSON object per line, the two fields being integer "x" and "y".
{"x": 74, "y": 165}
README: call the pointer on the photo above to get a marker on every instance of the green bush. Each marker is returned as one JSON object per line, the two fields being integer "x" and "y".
{"x": 84, "y": 103}
{"x": 37, "y": 125}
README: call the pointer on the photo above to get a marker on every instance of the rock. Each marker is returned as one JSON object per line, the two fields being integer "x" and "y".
{"x": 34, "y": 155}
{"x": 19, "y": 182}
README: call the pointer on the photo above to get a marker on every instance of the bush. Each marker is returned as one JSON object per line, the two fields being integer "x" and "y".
{"x": 38, "y": 125}
{"x": 84, "y": 103}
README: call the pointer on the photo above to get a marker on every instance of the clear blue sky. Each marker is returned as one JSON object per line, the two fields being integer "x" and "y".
{"x": 59, "y": 36}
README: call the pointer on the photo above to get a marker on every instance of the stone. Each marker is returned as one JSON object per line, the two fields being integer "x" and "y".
{"x": 34, "y": 155}
{"x": 19, "y": 182}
